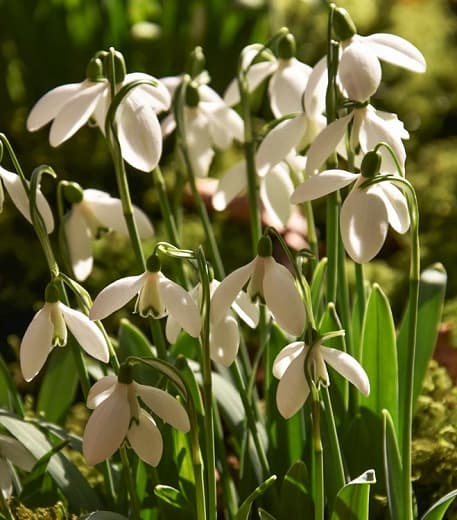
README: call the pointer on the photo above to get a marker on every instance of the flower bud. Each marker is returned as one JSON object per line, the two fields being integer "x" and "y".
{"x": 264, "y": 246}
{"x": 94, "y": 70}
{"x": 73, "y": 192}
{"x": 371, "y": 164}
{"x": 116, "y": 73}
{"x": 192, "y": 95}
{"x": 286, "y": 47}
{"x": 343, "y": 25}
{"x": 196, "y": 63}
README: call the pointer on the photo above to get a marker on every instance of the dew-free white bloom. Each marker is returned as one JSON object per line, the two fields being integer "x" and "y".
{"x": 13, "y": 451}
{"x": 48, "y": 329}
{"x": 70, "y": 107}
{"x": 265, "y": 279}
{"x": 224, "y": 336}
{"x": 97, "y": 211}
{"x": 118, "y": 416}
{"x": 366, "y": 212}
{"x": 289, "y": 367}
{"x": 16, "y": 191}
{"x": 157, "y": 296}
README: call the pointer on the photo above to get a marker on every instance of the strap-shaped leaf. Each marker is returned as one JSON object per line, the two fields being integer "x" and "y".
{"x": 439, "y": 508}
{"x": 245, "y": 509}
{"x": 392, "y": 468}
{"x": 352, "y": 501}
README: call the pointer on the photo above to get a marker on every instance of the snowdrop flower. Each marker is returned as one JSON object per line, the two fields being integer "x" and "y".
{"x": 266, "y": 280}
{"x": 289, "y": 367}
{"x": 157, "y": 296}
{"x": 13, "y": 451}
{"x": 224, "y": 336}
{"x": 208, "y": 123}
{"x": 366, "y": 212}
{"x": 48, "y": 329}
{"x": 94, "y": 211}
{"x": 118, "y": 416}
{"x": 16, "y": 191}
{"x": 70, "y": 107}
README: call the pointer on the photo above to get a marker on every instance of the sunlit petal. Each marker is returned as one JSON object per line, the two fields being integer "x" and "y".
{"x": 224, "y": 124}
{"x": 275, "y": 192}
{"x": 225, "y": 340}
{"x": 102, "y": 389}
{"x": 316, "y": 88}
{"x": 293, "y": 388}
{"x": 247, "y": 310}
{"x": 396, "y": 205}
{"x": 79, "y": 237}
{"x": 146, "y": 439}
{"x": 6, "y": 485}
{"x": 287, "y": 86}
{"x": 231, "y": 184}
{"x": 172, "y": 329}
{"x": 285, "y": 357}
{"x": 16, "y": 453}
{"x": 255, "y": 75}
{"x": 198, "y": 142}
{"x": 322, "y": 184}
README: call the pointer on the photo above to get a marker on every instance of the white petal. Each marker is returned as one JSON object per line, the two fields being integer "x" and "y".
{"x": 172, "y": 329}
{"x": 255, "y": 75}
{"x": 225, "y": 340}
{"x": 168, "y": 125}
{"x": 231, "y": 184}
{"x": 224, "y": 124}
{"x": 75, "y": 113}
{"x": 247, "y": 310}
{"x": 181, "y": 305}
{"x": 278, "y": 143}
{"x": 16, "y": 191}
{"x": 285, "y": 357}
{"x": 198, "y": 142}
{"x": 139, "y": 133}
{"x": 396, "y": 50}
{"x": 359, "y": 72}
{"x": 86, "y": 333}
{"x": 228, "y": 290}
{"x": 16, "y": 453}
{"x": 107, "y": 426}
{"x": 363, "y": 224}
{"x": 48, "y": 106}
{"x": 157, "y": 96}
{"x": 79, "y": 237}
{"x": 287, "y": 86}
{"x": 322, "y": 184}
{"x": 146, "y": 439}
{"x": 275, "y": 192}
{"x": 6, "y": 485}
{"x": 108, "y": 210}
{"x": 171, "y": 83}
{"x": 348, "y": 367}
{"x": 36, "y": 343}
{"x": 116, "y": 295}
{"x": 165, "y": 406}
{"x": 101, "y": 390}
{"x": 293, "y": 388}
{"x": 326, "y": 143}
{"x": 316, "y": 89}
{"x": 207, "y": 94}
{"x": 396, "y": 205}
{"x": 282, "y": 297}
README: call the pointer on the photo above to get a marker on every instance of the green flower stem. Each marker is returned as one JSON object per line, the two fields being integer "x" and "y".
{"x": 360, "y": 291}
{"x": 311, "y": 234}
{"x": 134, "y": 503}
{"x": 318, "y": 459}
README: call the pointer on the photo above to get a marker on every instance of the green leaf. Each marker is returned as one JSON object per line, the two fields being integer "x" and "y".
{"x": 57, "y": 393}
{"x": 265, "y": 515}
{"x": 317, "y": 285}
{"x": 171, "y": 496}
{"x": 379, "y": 356}
{"x": 432, "y": 288}
{"x": 103, "y": 515}
{"x": 245, "y": 509}
{"x": 132, "y": 342}
{"x": 438, "y": 509}
{"x": 10, "y": 398}
{"x": 295, "y": 499}
{"x": 352, "y": 501}
{"x": 392, "y": 468}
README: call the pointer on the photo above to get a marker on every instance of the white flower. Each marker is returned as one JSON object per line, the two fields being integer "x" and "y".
{"x": 157, "y": 296}
{"x": 289, "y": 367}
{"x": 16, "y": 191}
{"x": 13, "y": 451}
{"x": 224, "y": 336}
{"x": 366, "y": 212}
{"x": 97, "y": 211}
{"x": 117, "y": 416}
{"x": 71, "y": 106}
{"x": 265, "y": 279}
{"x": 48, "y": 329}
{"x": 208, "y": 125}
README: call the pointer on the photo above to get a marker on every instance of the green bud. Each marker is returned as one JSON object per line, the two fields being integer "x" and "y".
{"x": 343, "y": 25}
{"x": 196, "y": 63}
{"x": 371, "y": 164}
{"x": 73, "y": 192}
{"x": 265, "y": 247}
{"x": 125, "y": 374}
{"x": 153, "y": 264}
{"x": 192, "y": 95}
{"x": 51, "y": 293}
{"x": 119, "y": 71}
{"x": 286, "y": 47}
{"x": 94, "y": 70}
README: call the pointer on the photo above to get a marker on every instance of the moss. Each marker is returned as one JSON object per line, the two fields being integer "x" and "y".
{"x": 21, "y": 512}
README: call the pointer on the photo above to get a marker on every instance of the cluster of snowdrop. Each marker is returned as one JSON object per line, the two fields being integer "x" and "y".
{"x": 296, "y": 147}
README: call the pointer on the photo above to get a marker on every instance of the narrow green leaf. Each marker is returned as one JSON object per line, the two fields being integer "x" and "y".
{"x": 392, "y": 468}
{"x": 132, "y": 342}
{"x": 294, "y": 499}
{"x": 438, "y": 509}
{"x": 103, "y": 515}
{"x": 245, "y": 509}
{"x": 317, "y": 285}
{"x": 379, "y": 356}
{"x": 265, "y": 515}
{"x": 352, "y": 501}
{"x": 171, "y": 496}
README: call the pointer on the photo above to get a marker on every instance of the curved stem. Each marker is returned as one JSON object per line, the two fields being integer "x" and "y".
{"x": 134, "y": 503}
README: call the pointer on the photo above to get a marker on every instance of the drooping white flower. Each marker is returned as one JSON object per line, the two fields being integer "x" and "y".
{"x": 224, "y": 336}
{"x": 289, "y": 367}
{"x": 157, "y": 296}
{"x": 267, "y": 280}
{"x": 366, "y": 212}
{"x": 117, "y": 416}
{"x": 70, "y": 107}
{"x": 13, "y": 451}
{"x": 209, "y": 123}
{"x": 94, "y": 211}
{"x": 16, "y": 191}
{"x": 48, "y": 329}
